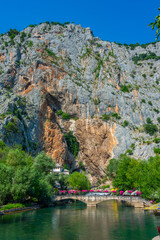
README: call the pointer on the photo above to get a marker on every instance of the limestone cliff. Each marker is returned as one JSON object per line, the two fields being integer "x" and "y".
{"x": 58, "y": 79}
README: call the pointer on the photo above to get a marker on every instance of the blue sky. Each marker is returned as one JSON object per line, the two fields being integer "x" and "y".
{"x": 123, "y": 21}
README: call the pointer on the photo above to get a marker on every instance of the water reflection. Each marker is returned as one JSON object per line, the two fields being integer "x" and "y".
{"x": 109, "y": 221}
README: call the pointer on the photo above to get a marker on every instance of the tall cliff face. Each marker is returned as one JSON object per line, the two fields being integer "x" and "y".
{"x": 56, "y": 79}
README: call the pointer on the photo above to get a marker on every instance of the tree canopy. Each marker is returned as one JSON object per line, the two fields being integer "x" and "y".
{"x": 129, "y": 173}
{"x": 23, "y": 177}
{"x": 78, "y": 181}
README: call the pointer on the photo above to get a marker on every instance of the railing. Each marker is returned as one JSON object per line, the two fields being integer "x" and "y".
{"x": 101, "y": 198}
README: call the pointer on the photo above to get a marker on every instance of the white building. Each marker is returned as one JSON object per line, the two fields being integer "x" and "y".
{"x": 58, "y": 168}
{"x": 66, "y": 172}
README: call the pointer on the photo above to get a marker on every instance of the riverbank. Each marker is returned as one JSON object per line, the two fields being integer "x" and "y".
{"x": 21, "y": 209}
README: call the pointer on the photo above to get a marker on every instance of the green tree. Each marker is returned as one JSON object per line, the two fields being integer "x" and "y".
{"x": 156, "y": 25}
{"x": 43, "y": 163}
{"x": 112, "y": 167}
{"x": 79, "y": 181}
{"x": 6, "y": 173}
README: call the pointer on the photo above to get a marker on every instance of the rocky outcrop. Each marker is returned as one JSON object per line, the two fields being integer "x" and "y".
{"x": 58, "y": 79}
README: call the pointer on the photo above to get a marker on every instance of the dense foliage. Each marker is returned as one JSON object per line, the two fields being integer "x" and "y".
{"x": 128, "y": 173}
{"x": 78, "y": 181}
{"x": 23, "y": 178}
{"x": 145, "y": 56}
{"x": 72, "y": 143}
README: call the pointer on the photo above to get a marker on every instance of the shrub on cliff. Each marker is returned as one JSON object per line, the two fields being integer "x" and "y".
{"x": 150, "y": 128}
{"x": 72, "y": 143}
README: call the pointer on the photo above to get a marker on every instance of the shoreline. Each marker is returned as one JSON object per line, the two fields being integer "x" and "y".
{"x": 14, "y": 210}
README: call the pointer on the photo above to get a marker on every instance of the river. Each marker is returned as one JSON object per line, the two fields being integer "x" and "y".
{"x": 109, "y": 221}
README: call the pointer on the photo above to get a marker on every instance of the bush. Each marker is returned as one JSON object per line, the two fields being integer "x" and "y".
{"x": 105, "y": 117}
{"x": 125, "y": 124}
{"x": 149, "y": 121}
{"x": 144, "y": 75}
{"x": 158, "y": 119}
{"x": 145, "y": 56}
{"x": 30, "y": 44}
{"x": 156, "y": 140}
{"x": 150, "y": 103}
{"x": 143, "y": 101}
{"x": 11, "y": 127}
{"x": 126, "y": 88}
{"x": 115, "y": 115}
{"x": 157, "y": 150}
{"x": 129, "y": 152}
{"x": 150, "y": 128}
{"x": 59, "y": 112}
{"x": 64, "y": 116}
{"x": 22, "y": 37}
{"x": 156, "y": 110}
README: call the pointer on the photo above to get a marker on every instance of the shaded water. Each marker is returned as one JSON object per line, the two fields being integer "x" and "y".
{"x": 109, "y": 221}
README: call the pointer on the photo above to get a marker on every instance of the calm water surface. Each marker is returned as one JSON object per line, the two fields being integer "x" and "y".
{"x": 109, "y": 221}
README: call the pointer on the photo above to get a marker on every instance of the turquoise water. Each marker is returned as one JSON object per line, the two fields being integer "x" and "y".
{"x": 109, "y": 221}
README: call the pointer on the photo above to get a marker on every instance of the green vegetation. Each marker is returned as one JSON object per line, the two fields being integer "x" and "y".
{"x": 128, "y": 173}
{"x": 157, "y": 150}
{"x": 126, "y": 88}
{"x": 99, "y": 65}
{"x": 156, "y": 24}
{"x": 156, "y": 140}
{"x": 149, "y": 121}
{"x": 81, "y": 165}
{"x": 78, "y": 181}
{"x": 22, "y": 36}
{"x": 150, "y": 103}
{"x": 23, "y": 178}
{"x": 97, "y": 101}
{"x": 156, "y": 110}
{"x": 11, "y": 126}
{"x": 64, "y": 116}
{"x": 12, "y": 34}
{"x": 51, "y": 53}
{"x": 158, "y": 119}
{"x": 112, "y": 168}
{"x": 72, "y": 143}
{"x": 106, "y": 117}
{"x": 12, "y": 206}
{"x": 144, "y": 75}
{"x": 30, "y": 44}
{"x": 145, "y": 56}
{"x": 143, "y": 101}
{"x": 150, "y": 128}
{"x": 125, "y": 123}
{"x": 87, "y": 53}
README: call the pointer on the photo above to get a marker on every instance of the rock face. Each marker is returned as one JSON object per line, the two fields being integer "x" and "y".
{"x": 58, "y": 79}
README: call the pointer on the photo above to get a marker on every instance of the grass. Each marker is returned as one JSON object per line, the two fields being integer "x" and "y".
{"x": 12, "y": 206}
